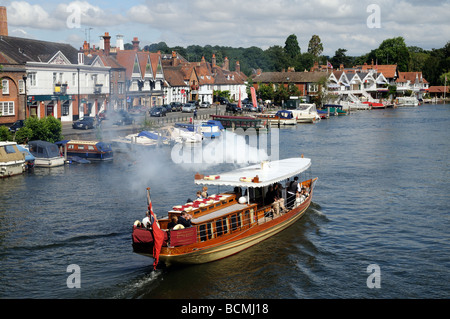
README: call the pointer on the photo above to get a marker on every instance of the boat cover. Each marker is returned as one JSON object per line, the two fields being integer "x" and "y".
{"x": 149, "y": 135}
{"x": 267, "y": 172}
{"x": 43, "y": 149}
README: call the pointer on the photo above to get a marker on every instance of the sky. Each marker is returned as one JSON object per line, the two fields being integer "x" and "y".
{"x": 358, "y": 26}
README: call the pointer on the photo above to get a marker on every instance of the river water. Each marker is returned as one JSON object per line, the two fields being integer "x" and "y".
{"x": 381, "y": 201}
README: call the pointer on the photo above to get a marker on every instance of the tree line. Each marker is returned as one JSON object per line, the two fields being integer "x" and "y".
{"x": 434, "y": 63}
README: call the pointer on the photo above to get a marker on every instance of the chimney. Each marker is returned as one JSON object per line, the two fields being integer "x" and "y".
{"x": 175, "y": 60}
{"x": 135, "y": 44}
{"x": 203, "y": 60}
{"x": 341, "y": 67}
{"x": 107, "y": 43}
{"x": 213, "y": 61}
{"x": 238, "y": 67}
{"x": 226, "y": 64}
{"x": 258, "y": 72}
{"x": 85, "y": 47}
{"x": 3, "y": 22}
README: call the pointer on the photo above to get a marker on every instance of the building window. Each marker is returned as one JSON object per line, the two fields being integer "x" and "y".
{"x": 54, "y": 78}
{"x": 313, "y": 87}
{"x": 65, "y": 108}
{"x": 21, "y": 87}
{"x": 32, "y": 78}
{"x": 74, "y": 78}
{"x": 5, "y": 87}
{"x": 6, "y": 108}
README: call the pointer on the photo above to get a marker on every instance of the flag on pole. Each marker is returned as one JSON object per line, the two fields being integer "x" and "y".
{"x": 240, "y": 103}
{"x": 252, "y": 90}
{"x": 329, "y": 65}
{"x": 158, "y": 234}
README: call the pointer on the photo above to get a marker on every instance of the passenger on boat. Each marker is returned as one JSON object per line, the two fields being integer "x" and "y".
{"x": 185, "y": 219}
{"x": 292, "y": 191}
{"x": 173, "y": 223}
{"x": 199, "y": 195}
{"x": 278, "y": 197}
{"x": 205, "y": 192}
{"x": 271, "y": 200}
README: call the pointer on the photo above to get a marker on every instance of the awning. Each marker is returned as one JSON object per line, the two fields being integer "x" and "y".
{"x": 268, "y": 173}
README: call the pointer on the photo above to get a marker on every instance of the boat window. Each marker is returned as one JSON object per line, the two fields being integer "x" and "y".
{"x": 81, "y": 147}
{"x": 219, "y": 227}
{"x": 224, "y": 225}
{"x": 234, "y": 222}
{"x": 70, "y": 147}
{"x": 9, "y": 149}
{"x": 90, "y": 147}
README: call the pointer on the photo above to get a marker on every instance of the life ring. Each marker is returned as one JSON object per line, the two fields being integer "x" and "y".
{"x": 178, "y": 226}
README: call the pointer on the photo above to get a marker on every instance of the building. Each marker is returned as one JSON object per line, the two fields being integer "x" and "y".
{"x": 306, "y": 82}
{"x": 409, "y": 83}
{"x": 53, "y": 78}
{"x": 144, "y": 76}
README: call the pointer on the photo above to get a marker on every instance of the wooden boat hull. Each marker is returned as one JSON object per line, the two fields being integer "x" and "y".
{"x": 260, "y": 233}
{"x": 231, "y": 244}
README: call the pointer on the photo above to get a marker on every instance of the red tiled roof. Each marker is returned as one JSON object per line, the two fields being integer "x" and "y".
{"x": 403, "y": 77}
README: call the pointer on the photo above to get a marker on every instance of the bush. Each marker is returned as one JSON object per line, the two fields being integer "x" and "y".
{"x": 5, "y": 134}
{"x": 23, "y": 135}
{"x": 45, "y": 129}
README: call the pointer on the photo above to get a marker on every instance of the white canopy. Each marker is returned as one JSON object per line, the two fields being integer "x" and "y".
{"x": 267, "y": 172}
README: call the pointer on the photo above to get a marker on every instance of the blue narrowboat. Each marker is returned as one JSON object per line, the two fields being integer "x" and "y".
{"x": 90, "y": 150}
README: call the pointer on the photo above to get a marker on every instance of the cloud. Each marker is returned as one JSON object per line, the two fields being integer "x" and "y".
{"x": 23, "y": 14}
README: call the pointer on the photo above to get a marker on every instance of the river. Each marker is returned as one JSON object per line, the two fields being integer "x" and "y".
{"x": 381, "y": 201}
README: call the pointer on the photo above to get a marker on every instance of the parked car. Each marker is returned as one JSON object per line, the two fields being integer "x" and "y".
{"x": 222, "y": 100}
{"x": 188, "y": 107}
{"x": 233, "y": 107}
{"x": 158, "y": 111}
{"x": 16, "y": 126}
{"x": 250, "y": 108}
{"x": 176, "y": 106}
{"x": 168, "y": 107}
{"x": 205, "y": 105}
{"x": 196, "y": 103}
{"x": 85, "y": 123}
{"x": 124, "y": 118}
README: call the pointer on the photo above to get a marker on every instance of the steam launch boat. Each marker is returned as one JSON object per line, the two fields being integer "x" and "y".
{"x": 225, "y": 224}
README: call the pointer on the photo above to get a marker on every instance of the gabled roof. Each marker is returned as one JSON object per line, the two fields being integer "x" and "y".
{"x": 404, "y": 77}
{"x": 16, "y": 50}
{"x": 127, "y": 58}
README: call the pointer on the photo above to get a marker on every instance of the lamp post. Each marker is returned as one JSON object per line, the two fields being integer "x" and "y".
{"x": 26, "y": 98}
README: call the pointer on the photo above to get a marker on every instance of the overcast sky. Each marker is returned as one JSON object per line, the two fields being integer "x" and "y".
{"x": 358, "y": 26}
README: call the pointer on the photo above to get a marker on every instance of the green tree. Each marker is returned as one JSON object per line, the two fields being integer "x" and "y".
{"x": 291, "y": 47}
{"x": 391, "y": 51}
{"x": 339, "y": 58}
{"x": 265, "y": 92}
{"x": 45, "y": 129}
{"x": 23, "y": 135}
{"x": 281, "y": 94}
{"x": 315, "y": 46}
{"x": 5, "y": 134}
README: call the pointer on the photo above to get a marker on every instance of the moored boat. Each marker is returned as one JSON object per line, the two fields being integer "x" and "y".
{"x": 306, "y": 113}
{"x": 335, "y": 109}
{"x": 407, "y": 101}
{"x": 12, "y": 161}
{"x": 46, "y": 154}
{"x": 244, "y": 122}
{"x": 225, "y": 224}
{"x": 282, "y": 117}
{"x": 89, "y": 150}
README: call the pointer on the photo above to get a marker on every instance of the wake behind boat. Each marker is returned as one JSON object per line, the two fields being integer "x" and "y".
{"x": 225, "y": 224}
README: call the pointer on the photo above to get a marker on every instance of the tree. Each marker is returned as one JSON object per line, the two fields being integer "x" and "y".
{"x": 5, "y": 134}
{"x": 391, "y": 51}
{"x": 340, "y": 58}
{"x": 265, "y": 92}
{"x": 291, "y": 47}
{"x": 315, "y": 46}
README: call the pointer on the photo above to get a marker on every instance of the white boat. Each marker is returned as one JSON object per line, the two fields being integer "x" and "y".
{"x": 306, "y": 113}
{"x": 283, "y": 117}
{"x": 144, "y": 138}
{"x": 12, "y": 161}
{"x": 184, "y": 135}
{"x": 407, "y": 101}
{"x": 46, "y": 154}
